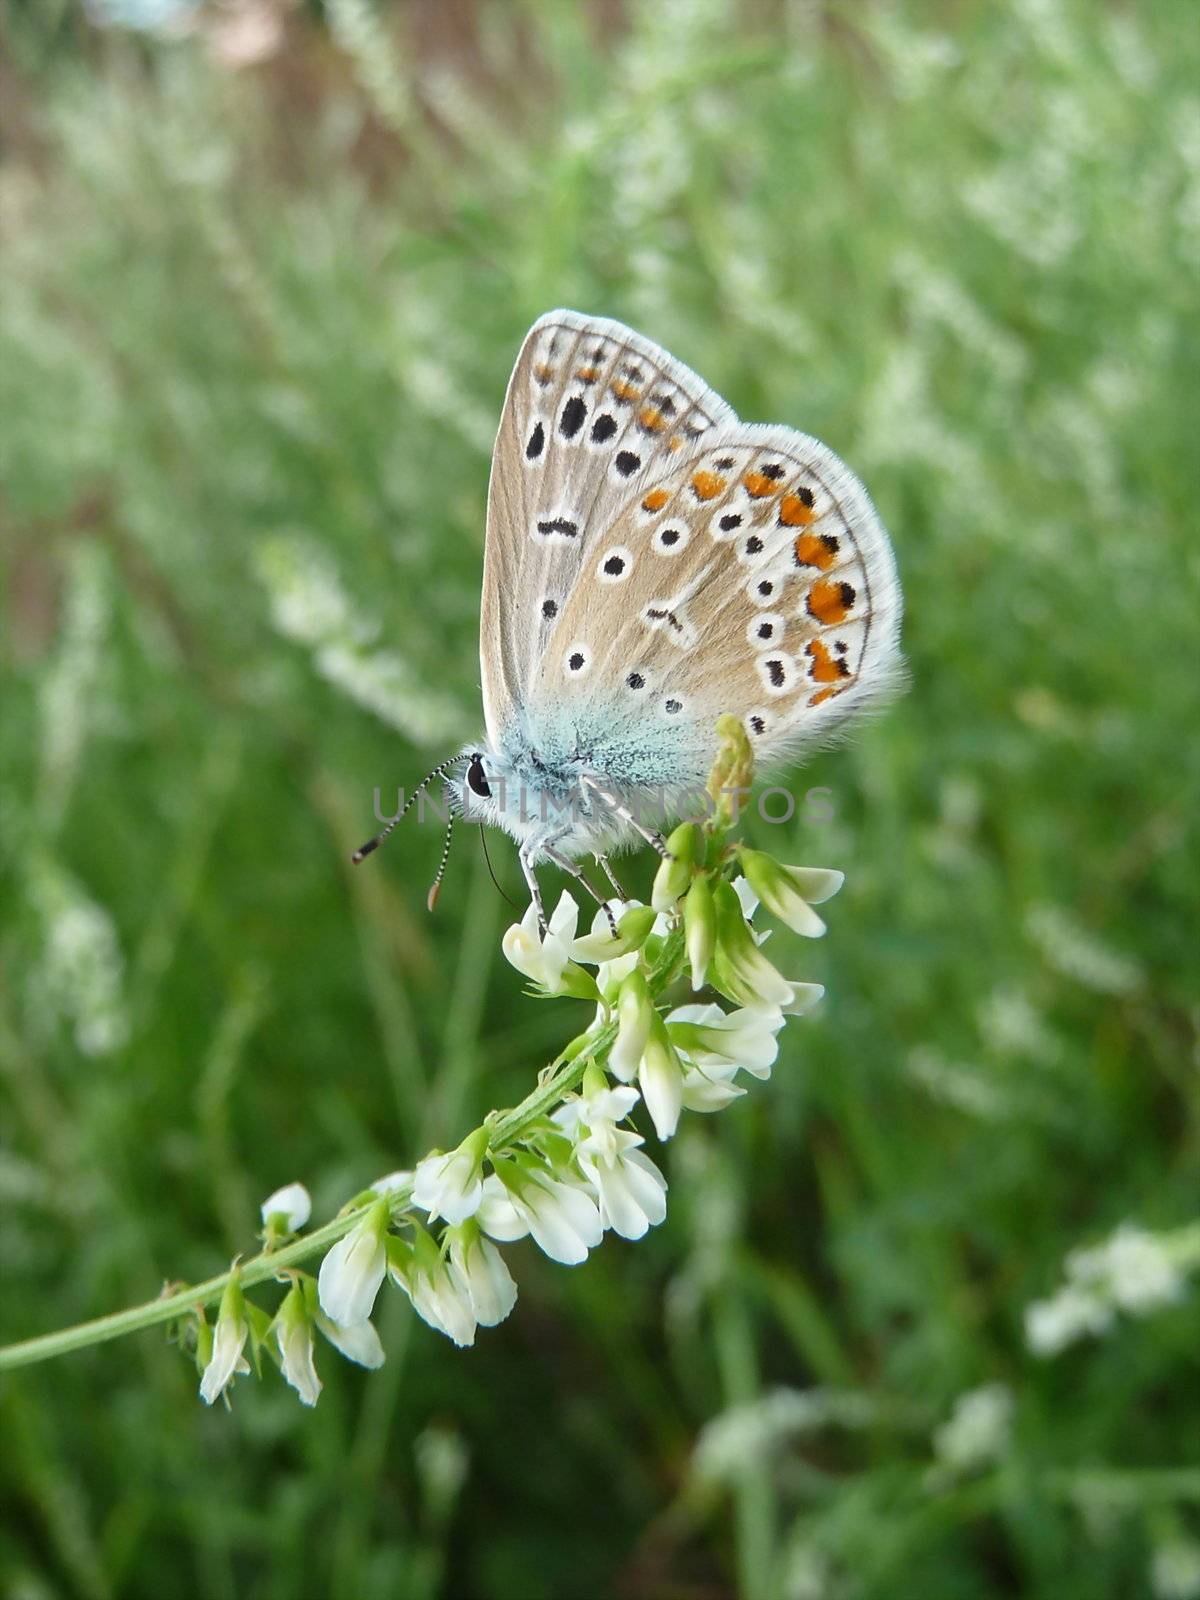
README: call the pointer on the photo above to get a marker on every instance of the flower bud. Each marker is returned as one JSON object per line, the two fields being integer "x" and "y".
{"x": 675, "y": 870}
{"x": 700, "y": 929}
{"x": 286, "y": 1211}
{"x": 635, "y": 1014}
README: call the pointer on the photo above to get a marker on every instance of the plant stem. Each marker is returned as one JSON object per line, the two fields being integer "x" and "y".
{"x": 506, "y": 1130}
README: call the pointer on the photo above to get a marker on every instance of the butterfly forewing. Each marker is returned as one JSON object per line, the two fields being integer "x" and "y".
{"x": 592, "y": 411}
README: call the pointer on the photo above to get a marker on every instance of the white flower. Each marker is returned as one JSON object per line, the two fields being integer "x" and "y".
{"x": 708, "y": 1036}
{"x": 497, "y": 1215}
{"x": 789, "y": 893}
{"x": 739, "y": 967}
{"x": 481, "y": 1268}
{"x": 392, "y": 1181}
{"x": 226, "y": 1361}
{"x": 710, "y": 1088}
{"x": 610, "y": 975}
{"x": 291, "y": 1204}
{"x": 660, "y": 1076}
{"x": 353, "y": 1269}
{"x": 562, "y": 1217}
{"x": 451, "y": 1185}
{"x": 804, "y": 998}
{"x": 597, "y": 1106}
{"x": 630, "y": 1187}
{"x": 634, "y": 923}
{"x": 977, "y": 1430}
{"x": 747, "y": 898}
{"x": 437, "y": 1289}
{"x": 1134, "y": 1271}
{"x": 294, "y": 1335}
{"x": 1052, "y": 1325}
{"x": 359, "y": 1343}
{"x": 543, "y": 959}
{"x": 1133, "y": 1268}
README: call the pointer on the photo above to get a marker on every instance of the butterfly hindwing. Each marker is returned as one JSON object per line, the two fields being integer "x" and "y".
{"x": 751, "y": 576}
{"x": 593, "y": 411}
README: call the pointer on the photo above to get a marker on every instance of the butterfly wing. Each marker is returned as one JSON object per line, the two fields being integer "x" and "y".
{"x": 593, "y": 412}
{"x": 751, "y": 576}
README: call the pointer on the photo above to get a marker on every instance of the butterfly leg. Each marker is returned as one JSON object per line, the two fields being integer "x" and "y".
{"x": 606, "y": 868}
{"x": 535, "y": 894}
{"x": 610, "y": 800}
{"x": 569, "y": 867}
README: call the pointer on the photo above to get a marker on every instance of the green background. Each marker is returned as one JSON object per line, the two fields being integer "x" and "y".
{"x": 258, "y": 316}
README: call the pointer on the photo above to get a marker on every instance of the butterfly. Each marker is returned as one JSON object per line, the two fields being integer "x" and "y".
{"x": 652, "y": 562}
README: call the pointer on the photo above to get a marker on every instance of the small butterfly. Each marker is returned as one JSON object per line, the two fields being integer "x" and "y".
{"x": 652, "y": 562}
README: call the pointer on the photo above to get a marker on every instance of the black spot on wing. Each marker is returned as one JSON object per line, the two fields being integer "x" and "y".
{"x": 571, "y": 419}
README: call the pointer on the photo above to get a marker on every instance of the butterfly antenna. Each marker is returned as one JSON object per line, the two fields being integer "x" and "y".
{"x": 435, "y": 888}
{"x": 491, "y": 872}
{"x": 373, "y": 844}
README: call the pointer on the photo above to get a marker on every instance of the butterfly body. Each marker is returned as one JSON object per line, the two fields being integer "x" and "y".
{"x": 651, "y": 563}
{"x": 552, "y": 780}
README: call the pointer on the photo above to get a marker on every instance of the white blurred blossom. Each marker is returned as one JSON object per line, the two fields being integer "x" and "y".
{"x": 1134, "y": 1271}
{"x": 977, "y": 1430}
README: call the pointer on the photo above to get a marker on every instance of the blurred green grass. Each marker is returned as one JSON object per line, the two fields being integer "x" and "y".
{"x": 255, "y": 333}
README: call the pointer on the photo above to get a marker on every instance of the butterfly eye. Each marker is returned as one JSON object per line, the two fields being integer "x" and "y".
{"x": 476, "y": 780}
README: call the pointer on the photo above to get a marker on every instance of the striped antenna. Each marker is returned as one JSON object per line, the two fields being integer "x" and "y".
{"x": 373, "y": 844}
{"x": 435, "y": 888}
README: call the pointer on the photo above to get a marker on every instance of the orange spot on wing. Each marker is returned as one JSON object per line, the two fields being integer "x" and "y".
{"x": 757, "y": 484}
{"x": 651, "y": 417}
{"x": 825, "y": 666}
{"x": 588, "y": 374}
{"x": 543, "y": 372}
{"x": 795, "y": 510}
{"x": 656, "y": 500}
{"x": 625, "y": 391}
{"x": 830, "y": 602}
{"x": 822, "y": 695}
{"x": 675, "y": 442}
{"x": 816, "y": 550}
{"x": 707, "y": 485}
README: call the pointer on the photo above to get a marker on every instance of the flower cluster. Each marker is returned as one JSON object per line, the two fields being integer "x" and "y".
{"x": 1134, "y": 1271}
{"x": 570, "y": 1164}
